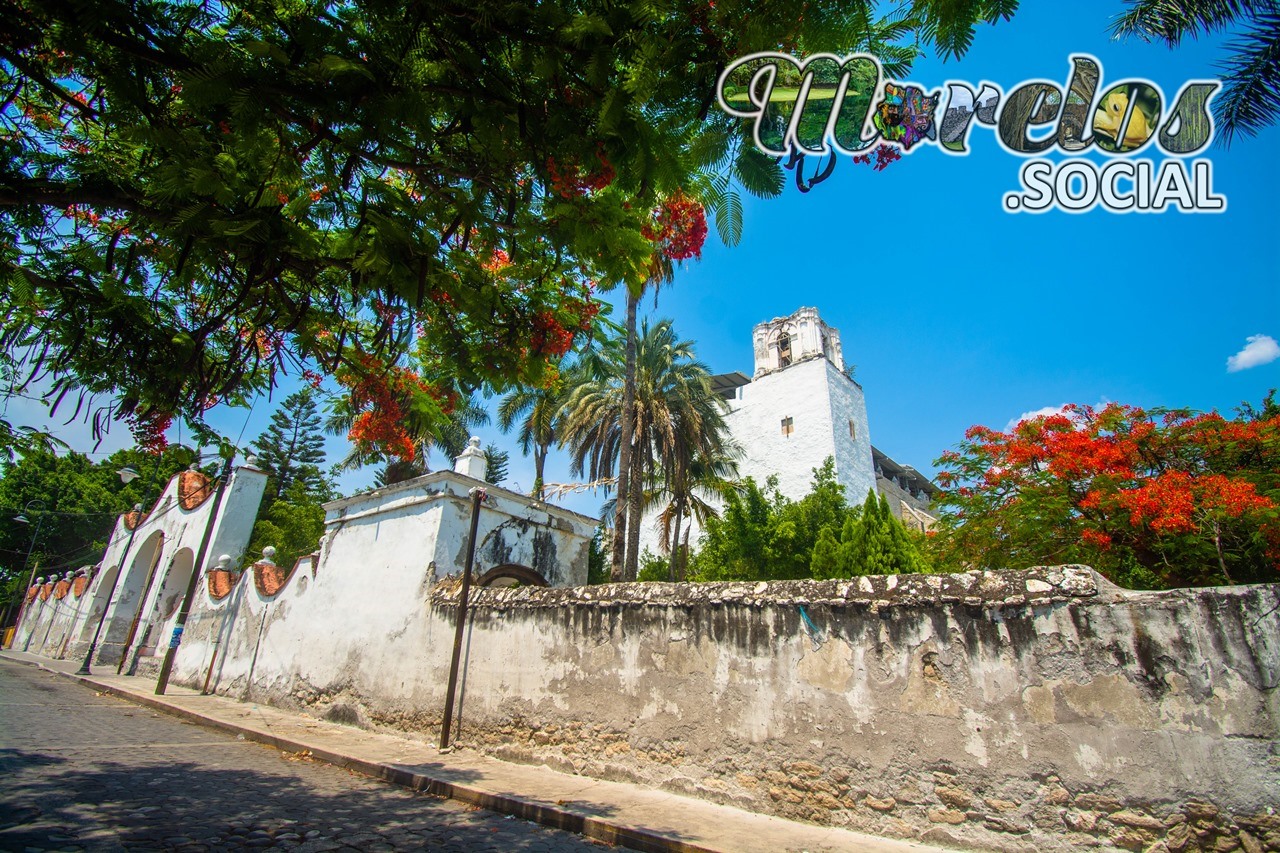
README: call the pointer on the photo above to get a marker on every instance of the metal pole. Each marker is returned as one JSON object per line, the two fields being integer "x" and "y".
{"x": 477, "y": 497}
{"x": 165, "y": 668}
{"x": 93, "y": 646}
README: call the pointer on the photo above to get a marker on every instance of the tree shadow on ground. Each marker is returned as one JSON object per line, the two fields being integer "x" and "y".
{"x": 136, "y": 803}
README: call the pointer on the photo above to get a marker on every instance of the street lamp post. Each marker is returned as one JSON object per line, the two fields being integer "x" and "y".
{"x": 22, "y": 519}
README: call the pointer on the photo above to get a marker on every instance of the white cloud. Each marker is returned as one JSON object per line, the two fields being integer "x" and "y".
{"x": 1258, "y": 350}
{"x": 1046, "y": 411}
{"x": 1038, "y": 413}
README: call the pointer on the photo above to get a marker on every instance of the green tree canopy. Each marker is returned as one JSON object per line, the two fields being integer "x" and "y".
{"x": 292, "y": 525}
{"x": 763, "y": 535}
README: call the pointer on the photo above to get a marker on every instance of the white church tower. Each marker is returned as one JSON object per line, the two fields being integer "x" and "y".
{"x": 801, "y": 407}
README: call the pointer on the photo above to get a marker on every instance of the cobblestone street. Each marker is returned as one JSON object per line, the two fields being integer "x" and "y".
{"x": 86, "y": 771}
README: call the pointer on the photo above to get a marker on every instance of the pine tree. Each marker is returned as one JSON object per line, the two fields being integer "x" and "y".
{"x": 876, "y": 543}
{"x": 292, "y": 448}
{"x": 906, "y": 556}
{"x": 495, "y": 466}
{"x": 825, "y": 562}
{"x": 847, "y": 553}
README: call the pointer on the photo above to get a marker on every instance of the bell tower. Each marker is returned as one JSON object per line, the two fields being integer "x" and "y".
{"x": 784, "y": 341}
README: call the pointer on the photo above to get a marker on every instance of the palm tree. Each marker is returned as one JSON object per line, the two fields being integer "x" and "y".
{"x": 1250, "y": 98}
{"x": 674, "y": 414}
{"x": 701, "y": 472}
{"x": 539, "y": 412}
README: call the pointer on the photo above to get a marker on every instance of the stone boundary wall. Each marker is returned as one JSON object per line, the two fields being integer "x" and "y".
{"x": 1036, "y": 710}
{"x": 1038, "y": 586}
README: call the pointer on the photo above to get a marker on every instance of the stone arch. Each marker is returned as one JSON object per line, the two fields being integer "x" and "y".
{"x": 131, "y": 587}
{"x": 509, "y": 574}
{"x": 101, "y": 598}
{"x": 162, "y": 609}
{"x": 169, "y": 598}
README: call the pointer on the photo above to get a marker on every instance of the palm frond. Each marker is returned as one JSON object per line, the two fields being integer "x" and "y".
{"x": 1250, "y": 98}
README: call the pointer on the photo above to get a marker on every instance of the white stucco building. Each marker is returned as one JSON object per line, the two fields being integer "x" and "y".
{"x": 144, "y": 571}
{"x": 381, "y": 554}
{"x": 799, "y": 407}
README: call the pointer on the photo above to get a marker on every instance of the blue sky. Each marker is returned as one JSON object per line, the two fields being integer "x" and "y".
{"x": 956, "y": 312}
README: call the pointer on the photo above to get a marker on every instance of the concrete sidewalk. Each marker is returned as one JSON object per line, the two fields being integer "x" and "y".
{"x": 618, "y": 813}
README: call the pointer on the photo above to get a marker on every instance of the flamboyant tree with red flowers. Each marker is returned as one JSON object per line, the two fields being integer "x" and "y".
{"x": 198, "y": 198}
{"x": 1150, "y": 498}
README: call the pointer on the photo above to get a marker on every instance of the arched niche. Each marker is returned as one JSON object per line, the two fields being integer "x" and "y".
{"x": 169, "y": 598}
{"x": 138, "y": 561}
{"x": 510, "y": 574}
{"x": 783, "y": 349}
{"x": 102, "y": 589}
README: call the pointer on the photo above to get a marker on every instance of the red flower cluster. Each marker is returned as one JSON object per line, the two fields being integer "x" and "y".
{"x": 1175, "y": 502}
{"x": 1096, "y": 538}
{"x": 148, "y": 430}
{"x": 379, "y": 394}
{"x": 263, "y": 342}
{"x": 77, "y": 212}
{"x": 570, "y": 181}
{"x": 679, "y": 228}
{"x": 497, "y": 262}
{"x": 884, "y": 154}
{"x": 550, "y": 338}
{"x": 587, "y": 312}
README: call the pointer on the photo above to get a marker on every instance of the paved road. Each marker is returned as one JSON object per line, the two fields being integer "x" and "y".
{"x": 85, "y": 771}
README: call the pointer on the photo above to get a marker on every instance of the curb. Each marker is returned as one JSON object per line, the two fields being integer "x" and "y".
{"x": 556, "y": 817}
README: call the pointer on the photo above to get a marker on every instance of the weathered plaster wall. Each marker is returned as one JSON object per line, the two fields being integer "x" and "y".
{"x": 357, "y": 617}
{"x": 168, "y": 537}
{"x": 1038, "y": 710}
{"x": 1033, "y": 711}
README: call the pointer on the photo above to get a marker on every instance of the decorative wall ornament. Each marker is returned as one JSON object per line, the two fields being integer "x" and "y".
{"x": 79, "y": 585}
{"x": 268, "y": 577}
{"x": 133, "y": 518}
{"x": 60, "y": 589}
{"x": 32, "y": 593}
{"x": 46, "y": 591}
{"x": 221, "y": 583}
{"x": 194, "y": 488}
